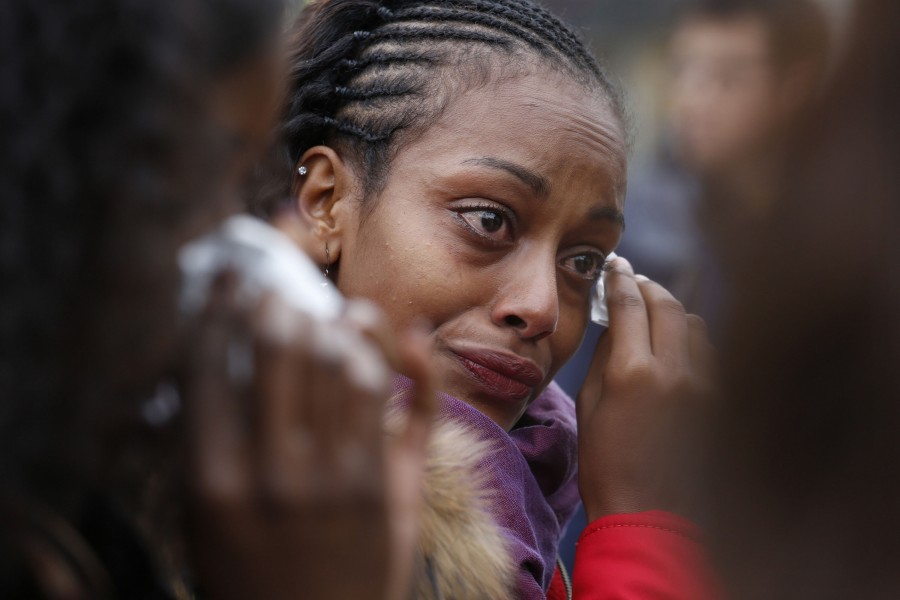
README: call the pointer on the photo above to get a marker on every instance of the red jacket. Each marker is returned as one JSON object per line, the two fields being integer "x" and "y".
{"x": 643, "y": 556}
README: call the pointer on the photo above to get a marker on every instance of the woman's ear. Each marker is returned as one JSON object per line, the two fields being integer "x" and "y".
{"x": 325, "y": 191}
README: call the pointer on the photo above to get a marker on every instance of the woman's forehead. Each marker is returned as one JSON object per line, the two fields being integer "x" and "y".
{"x": 547, "y": 123}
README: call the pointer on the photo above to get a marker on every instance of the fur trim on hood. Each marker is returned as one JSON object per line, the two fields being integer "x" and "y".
{"x": 462, "y": 552}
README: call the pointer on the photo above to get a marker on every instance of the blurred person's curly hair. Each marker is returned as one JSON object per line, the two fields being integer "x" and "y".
{"x": 106, "y": 167}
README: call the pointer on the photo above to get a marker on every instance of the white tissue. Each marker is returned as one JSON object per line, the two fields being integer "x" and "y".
{"x": 265, "y": 260}
{"x": 599, "y": 311}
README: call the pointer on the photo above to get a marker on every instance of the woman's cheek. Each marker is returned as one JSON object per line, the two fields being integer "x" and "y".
{"x": 569, "y": 334}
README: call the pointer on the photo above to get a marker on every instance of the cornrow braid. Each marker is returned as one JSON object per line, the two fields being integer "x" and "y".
{"x": 400, "y": 33}
{"x": 374, "y": 58}
{"x": 351, "y": 129}
{"x": 444, "y": 15}
{"x": 554, "y": 28}
{"x": 534, "y": 18}
{"x": 367, "y": 75}
{"x": 346, "y": 93}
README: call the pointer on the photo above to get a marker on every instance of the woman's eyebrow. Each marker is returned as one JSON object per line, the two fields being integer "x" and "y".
{"x": 538, "y": 184}
{"x": 607, "y": 213}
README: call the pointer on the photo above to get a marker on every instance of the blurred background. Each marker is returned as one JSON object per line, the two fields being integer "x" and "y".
{"x": 703, "y": 85}
{"x": 633, "y": 37}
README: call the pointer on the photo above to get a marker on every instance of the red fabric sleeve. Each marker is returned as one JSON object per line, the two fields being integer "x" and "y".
{"x": 642, "y": 556}
{"x": 557, "y": 589}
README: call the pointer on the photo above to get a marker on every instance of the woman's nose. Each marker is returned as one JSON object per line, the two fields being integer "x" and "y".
{"x": 528, "y": 301}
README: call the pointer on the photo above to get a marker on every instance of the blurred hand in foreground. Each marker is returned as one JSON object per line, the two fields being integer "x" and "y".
{"x": 294, "y": 490}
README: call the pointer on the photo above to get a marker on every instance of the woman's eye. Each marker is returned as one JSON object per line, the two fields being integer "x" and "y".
{"x": 588, "y": 265}
{"x": 487, "y": 222}
{"x": 490, "y": 221}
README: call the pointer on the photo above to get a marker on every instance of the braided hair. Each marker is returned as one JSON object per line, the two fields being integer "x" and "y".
{"x": 367, "y": 75}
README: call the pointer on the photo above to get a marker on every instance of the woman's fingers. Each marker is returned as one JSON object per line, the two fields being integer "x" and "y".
{"x": 592, "y": 389}
{"x": 423, "y": 403}
{"x": 636, "y": 407}
{"x": 624, "y": 352}
{"x": 629, "y": 329}
{"x": 278, "y": 400}
{"x": 360, "y": 410}
{"x": 216, "y": 437}
{"x": 668, "y": 326}
{"x": 407, "y": 354}
{"x": 306, "y": 472}
{"x": 406, "y": 459}
{"x": 371, "y": 322}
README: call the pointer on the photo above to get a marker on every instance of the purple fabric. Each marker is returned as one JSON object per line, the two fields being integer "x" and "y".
{"x": 533, "y": 474}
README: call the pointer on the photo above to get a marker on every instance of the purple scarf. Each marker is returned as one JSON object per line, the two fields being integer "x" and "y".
{"x": 533, "y": 474}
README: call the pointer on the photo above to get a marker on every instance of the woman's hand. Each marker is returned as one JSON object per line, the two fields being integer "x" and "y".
{"x": 293, "y": 488}
{"x": 637, "y": 410}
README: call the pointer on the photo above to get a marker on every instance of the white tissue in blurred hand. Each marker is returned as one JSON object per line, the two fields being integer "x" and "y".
{"x": 265, "y": 260}
{"x": 599, "y": 310}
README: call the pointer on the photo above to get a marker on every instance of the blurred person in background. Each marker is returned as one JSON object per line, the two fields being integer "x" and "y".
{"x": 806, "y": 490}
{"x": 741, "y": 72}
{"x": 127, "y": 126}
{"x": 736, "y": 74}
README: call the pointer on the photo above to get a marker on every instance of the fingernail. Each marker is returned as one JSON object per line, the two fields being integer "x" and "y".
{"x": 641, "y": 278}
{"x": 621, "y": 264}
{"x": 367, "y": 370}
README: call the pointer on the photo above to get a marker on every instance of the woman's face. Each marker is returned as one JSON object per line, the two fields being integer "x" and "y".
{"x": 492, "y": 227}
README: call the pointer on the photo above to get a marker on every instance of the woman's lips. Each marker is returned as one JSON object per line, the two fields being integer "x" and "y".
{"x": 499, "y": 374}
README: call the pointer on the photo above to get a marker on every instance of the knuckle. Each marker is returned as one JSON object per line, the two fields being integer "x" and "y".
{"x": 278, "y": 324}
{"x": 625, "y": 300}
{"x": 696, "y": 322}
{"x": 671, "y": 306}
{"x": 365, "y": 314}
{"x": 336, "y": 346}
{"x": 677, "y": 386}
{"x": 633, "y": 371}
{"x": 368, "y": 372}
{"x": 682, "y": 385}
{"x": 671, "y": 364}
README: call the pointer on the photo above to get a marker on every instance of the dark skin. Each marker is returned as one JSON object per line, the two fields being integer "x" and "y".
{"x": 492, "y": 226}
{"x": 491, "y": 232}
{"x": 643, "y": 401}
{"x": 290, "y": 475}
